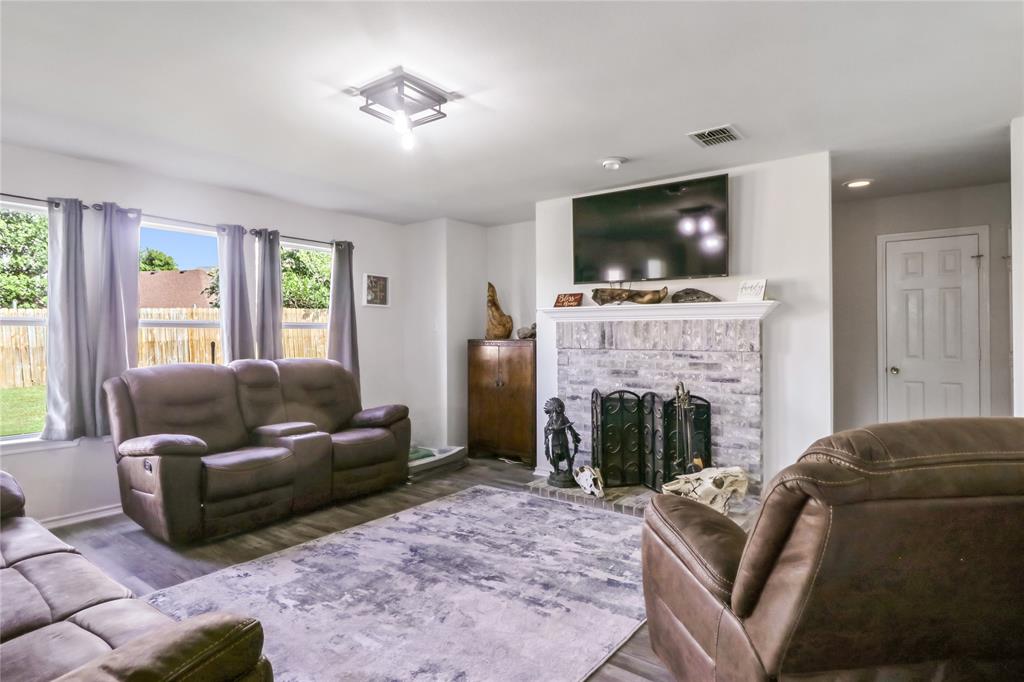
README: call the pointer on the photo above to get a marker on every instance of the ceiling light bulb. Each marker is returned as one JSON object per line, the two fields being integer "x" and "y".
{"x": 706, "y": 224}
{"x": 408, "y": 142}
{"x": 401, "y": 122}
{"x": 688, "y": 226}
{"x": 613, "y": 163}
{"x": 854, "y": 184}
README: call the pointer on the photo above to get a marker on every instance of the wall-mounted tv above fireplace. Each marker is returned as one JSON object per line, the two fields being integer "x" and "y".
{"x": 677, "y": 230}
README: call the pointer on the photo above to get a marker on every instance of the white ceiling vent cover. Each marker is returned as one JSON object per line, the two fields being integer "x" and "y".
{"x": 715, "y": 136}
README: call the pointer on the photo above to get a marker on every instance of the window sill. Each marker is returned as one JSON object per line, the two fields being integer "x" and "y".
{"x": 33, "y": 443}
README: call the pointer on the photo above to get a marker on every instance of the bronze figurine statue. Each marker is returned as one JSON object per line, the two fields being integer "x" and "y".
{"x": 556, "y": 444}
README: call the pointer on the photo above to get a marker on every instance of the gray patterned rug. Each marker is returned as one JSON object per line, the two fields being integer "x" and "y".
{"x": 485, "y": 584}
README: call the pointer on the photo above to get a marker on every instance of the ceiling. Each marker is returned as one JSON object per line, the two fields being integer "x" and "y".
{"x": 916, "y": 95}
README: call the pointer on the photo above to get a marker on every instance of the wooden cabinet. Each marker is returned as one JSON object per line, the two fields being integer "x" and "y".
{"x": 503, "y": 398}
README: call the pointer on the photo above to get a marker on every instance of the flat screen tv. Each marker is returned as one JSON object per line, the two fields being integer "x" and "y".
{"x": 678, "y": 230}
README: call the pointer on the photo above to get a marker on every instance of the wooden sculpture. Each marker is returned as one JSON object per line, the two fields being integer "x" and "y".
{"x": 499, "y": 325}
{"x": 606, "y": 295}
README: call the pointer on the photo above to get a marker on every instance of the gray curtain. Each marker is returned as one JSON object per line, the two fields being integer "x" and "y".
{"x": 235, "y": 318}
{"x": 70, "y": 374}
{"x": 268, "y": 295}
{"x": 115, "y": 313}
{"x": 342, "y": 344}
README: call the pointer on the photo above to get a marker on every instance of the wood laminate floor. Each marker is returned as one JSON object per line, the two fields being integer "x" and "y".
{"x": 145, "y": 564}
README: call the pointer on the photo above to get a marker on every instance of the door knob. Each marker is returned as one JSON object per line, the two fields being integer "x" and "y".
{"x": 894, "y": 370}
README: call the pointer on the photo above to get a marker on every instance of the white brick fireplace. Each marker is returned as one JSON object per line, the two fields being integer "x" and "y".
{"x": 714, "y": 348}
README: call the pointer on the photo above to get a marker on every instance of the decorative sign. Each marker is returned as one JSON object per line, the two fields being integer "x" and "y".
{"x": 752, "y": 290}
{"x": 375, "y": 290}
{"x": 568, "y": 300}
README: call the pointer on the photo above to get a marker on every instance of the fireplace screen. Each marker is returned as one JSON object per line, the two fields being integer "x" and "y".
{"x": 648, "y": 440}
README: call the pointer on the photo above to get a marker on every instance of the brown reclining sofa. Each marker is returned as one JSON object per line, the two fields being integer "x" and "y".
{"x": 206, "y": 450}
{"x": 891, "y": 552}
{"x": 61, "y": 617}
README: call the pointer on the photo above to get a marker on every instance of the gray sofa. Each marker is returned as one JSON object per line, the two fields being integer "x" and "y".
{"x": 206, "y": 450}
{"x": 61, "y": 617}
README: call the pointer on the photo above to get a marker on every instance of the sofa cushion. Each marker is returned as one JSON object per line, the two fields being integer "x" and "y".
{"x": 120, "y": 621}
{"x": 246, "y": 470}
{"x": 69, "y": 583}
{"x": 22, "y": 537}
{"x": 318, "y": 391}
{"x": 259, "y": 392}
{"x": 354, "y": 448}
{"x": 48, "y": 652}
{"x": 192, "y": 399}
{"x": 12, "y": 499}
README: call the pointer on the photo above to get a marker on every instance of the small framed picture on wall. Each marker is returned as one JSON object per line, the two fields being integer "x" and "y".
{"x": 376, "y": 290}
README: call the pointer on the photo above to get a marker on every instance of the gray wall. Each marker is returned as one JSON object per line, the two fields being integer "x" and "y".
{"x": 855, "y": 226}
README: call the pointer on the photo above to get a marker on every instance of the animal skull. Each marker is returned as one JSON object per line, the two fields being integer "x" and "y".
{"x": 715, "y": 486}
{"x": 589, "y": 480}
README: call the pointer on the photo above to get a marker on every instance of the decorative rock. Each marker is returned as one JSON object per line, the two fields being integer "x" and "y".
{"x": 693, "y": 296}
{"x": 589, "y": 480}
{"x": 715, "y": 487}
{"x": 527, "y": 332}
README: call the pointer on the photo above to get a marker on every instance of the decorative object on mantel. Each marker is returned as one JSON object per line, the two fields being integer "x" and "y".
{"x": 499, "y": 325}
{"x": 569, "y": 300}
{"x": 527, "y": 332}
{"x": 606, "y": 295}
{"x": 752, "y": 290}
{"x": 718, "y": 488}
{"x": 693, "y": 296}
{"x": 375, "y": 290}
{"x": 589, "y": 480}
{"x": 647, "y": 440}
{"x": 556, "y": 444}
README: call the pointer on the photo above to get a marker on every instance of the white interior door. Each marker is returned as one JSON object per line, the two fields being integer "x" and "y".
{"x": 932, "y": 364}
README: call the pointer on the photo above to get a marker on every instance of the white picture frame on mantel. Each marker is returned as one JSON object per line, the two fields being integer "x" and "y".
{"x": 376, "y": 290}
{"x": 752, "y": 290}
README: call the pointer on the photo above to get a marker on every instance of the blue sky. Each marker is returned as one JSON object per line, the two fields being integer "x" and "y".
{"x": 188, "y": 250}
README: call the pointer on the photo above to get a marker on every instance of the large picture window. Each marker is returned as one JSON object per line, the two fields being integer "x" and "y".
{"x": 179, "y": 315}
{"x": 23, "y": 306}
{"x": 306, "y": 291}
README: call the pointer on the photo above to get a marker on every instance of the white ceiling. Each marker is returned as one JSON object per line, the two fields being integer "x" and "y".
{"x": 250, "y": 95}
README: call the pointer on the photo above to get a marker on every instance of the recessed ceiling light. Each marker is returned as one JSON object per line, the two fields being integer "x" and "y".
{"x": 613, "y": 163}
{"x": 855, "y": 184}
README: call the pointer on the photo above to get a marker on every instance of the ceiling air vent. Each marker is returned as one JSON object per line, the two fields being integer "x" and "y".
{"x": 715, "y": 136}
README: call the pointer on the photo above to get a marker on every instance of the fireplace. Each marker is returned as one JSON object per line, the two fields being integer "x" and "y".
{"x": 646, "y": 439}
{"x": 714, "y": 348}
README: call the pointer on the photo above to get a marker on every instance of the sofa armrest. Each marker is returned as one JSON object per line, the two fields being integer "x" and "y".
{"x": 283, "y": 429}
{"x": 163, "y": 444}
{"x": 708, "y": 543}
{"x": 214, "y": 646}
{"x": 380, "y": 417}
{"x": 12, "y": 497}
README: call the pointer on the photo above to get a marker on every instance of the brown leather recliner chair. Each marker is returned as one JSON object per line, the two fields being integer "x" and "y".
{"x": 894, "y": 551}
{"x": 206, "y": 450}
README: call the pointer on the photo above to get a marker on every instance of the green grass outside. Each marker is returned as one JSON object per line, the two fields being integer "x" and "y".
{"x": 22, "y": 410}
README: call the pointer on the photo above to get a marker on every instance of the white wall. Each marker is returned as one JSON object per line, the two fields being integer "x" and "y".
{"x": 75, "y": 479}
{"x": 780, "y": 229}
{"x": 855, "y": 227}
{"x": 511, "y": 268}
{"x": 1017, "y": 260}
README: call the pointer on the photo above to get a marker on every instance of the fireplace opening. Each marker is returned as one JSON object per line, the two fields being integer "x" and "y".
{"x": 648, "y": 440}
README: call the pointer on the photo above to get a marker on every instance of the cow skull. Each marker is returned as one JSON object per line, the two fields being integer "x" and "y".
{"x": 716, "y": 487}
{"x": 589, "y": 480}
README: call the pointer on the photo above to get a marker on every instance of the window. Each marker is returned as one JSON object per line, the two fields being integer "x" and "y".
{"x": 179, "y": 315}
{"x": 23, "y": 268}
{"x": 305, "y": 291}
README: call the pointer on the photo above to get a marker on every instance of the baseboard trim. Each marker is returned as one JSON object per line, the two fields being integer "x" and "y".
{"x": 79, "y": 517}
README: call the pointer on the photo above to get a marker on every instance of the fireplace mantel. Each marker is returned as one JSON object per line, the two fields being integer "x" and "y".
{"x": 721, "y": 310}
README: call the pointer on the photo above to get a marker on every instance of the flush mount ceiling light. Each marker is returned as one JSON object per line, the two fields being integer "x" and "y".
{"x": 855, "y": 184}
{"x": 403, "y": 101}
{"x": 613, "y": 163}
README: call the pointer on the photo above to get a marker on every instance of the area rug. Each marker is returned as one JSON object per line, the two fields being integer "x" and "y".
{"x": 485, "y": 584}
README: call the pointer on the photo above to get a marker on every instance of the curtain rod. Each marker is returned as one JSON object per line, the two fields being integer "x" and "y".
{"x": 159, "y": 217}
